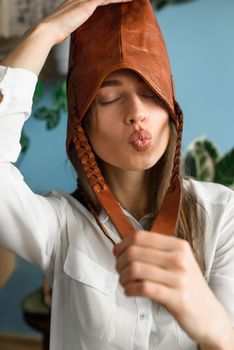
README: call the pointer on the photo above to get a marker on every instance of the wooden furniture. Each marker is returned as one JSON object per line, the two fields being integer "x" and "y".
{"x": 37, "y": 314}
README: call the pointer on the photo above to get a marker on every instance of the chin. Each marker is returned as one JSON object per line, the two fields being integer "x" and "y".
{"x": 139, "y": 165}
{"x": 132, "y": 163}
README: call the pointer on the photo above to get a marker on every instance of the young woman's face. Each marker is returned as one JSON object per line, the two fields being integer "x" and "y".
{"x": 128, "y": 129}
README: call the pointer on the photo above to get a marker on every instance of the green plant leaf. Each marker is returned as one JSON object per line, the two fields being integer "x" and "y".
{"x": 39, "y": 92}
{"x": 49, "y": 115}
{"x": 41, "y": 113}
{"x": 224, "y": 171}
{"x": 52, "y": 119}
{"x": 202, "y": 159}
{"x": 203, "y": 150}
{"x": 61, "y": 96}
{"x": 212, "y": 149}
{"x": 205, "y": 162}
{"x": 190, "y": 165}
{"x": 25, "y": 142}
{"x": 204, "y": 175}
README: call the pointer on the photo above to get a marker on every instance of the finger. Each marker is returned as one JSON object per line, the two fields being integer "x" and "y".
{"x": 70, "y": 15}
{"x": 148, "y": 239}
{"x": 156, "y": 292}
{"x": 146, "y": 272}
{"x": 154, "y": 256}
{"x": 159, "y": 293}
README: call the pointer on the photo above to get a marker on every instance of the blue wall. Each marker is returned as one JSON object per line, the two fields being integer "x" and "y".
{"x": 199, "y": 37}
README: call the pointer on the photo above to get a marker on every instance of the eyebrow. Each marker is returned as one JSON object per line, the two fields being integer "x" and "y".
{"x": 115, "y": 82}
{"x": 110, "y": 83}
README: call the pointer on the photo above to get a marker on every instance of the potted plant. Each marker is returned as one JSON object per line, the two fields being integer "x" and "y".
{"x": 204, "y": 162}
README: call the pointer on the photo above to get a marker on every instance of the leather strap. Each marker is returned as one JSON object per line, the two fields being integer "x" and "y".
{"x": 166, "y": 221}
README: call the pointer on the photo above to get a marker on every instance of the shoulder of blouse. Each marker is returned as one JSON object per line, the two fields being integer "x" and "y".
{"x": 210, "y": 192}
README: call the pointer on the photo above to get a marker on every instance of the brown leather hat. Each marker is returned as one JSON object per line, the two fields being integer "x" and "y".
{"x": 120, "y": 36}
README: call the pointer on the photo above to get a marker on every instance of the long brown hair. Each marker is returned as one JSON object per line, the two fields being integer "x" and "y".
{"x": 191, "y": 221}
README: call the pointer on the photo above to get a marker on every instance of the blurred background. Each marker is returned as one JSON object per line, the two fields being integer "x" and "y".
{"x": 199, "y": 37}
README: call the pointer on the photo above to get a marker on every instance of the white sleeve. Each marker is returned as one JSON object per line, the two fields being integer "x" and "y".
{"x": 221, "y": 279}
{"x": 17, "y": 87}
{"x": 29, "y": 223}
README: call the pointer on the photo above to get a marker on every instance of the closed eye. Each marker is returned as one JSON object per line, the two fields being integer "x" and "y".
{"x": 104, "y": 103}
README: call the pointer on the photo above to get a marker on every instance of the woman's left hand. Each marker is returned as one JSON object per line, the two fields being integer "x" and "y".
{"x": 164, "y": 269}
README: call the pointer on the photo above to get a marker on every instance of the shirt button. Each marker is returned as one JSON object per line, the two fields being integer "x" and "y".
{"x": 142, "y": 316}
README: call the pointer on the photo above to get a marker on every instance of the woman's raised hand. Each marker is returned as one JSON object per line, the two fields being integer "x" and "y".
{"x": 70, "y": 15}
{"x": 36, "y": 44}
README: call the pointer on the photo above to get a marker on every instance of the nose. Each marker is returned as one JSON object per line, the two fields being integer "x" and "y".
{"x": 135, "y": 112}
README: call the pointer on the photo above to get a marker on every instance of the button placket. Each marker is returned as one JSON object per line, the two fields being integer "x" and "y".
{"x": 142, "y": 316}
{"x": 143, "y": 326}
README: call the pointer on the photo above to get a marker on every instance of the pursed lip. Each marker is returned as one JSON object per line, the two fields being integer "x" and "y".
{"x": 140, "y": 135}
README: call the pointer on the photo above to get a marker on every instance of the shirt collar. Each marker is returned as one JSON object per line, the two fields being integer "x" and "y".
{"x": 103, "y": 217}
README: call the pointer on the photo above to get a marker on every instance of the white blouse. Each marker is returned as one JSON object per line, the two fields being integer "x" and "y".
{"x": 57, "y": 233}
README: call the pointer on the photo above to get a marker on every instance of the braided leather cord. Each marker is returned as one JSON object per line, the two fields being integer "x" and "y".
{"x": 88, "y": 161}
{"x": 179, "y": 128}
{"x": 166, "y": 221}
{"x": 98, "y": 184}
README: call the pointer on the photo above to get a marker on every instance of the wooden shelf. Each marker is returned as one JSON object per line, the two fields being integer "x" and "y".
{"x": 20, "y": 342}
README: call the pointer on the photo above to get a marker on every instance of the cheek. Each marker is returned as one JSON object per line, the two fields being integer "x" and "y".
{"x": 101, "y": 134}
{"x": 161, "y": 126}
{"x": 161, "y": 131}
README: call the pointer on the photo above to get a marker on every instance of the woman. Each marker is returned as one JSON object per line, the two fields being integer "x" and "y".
{"x": 150, "y": 291}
